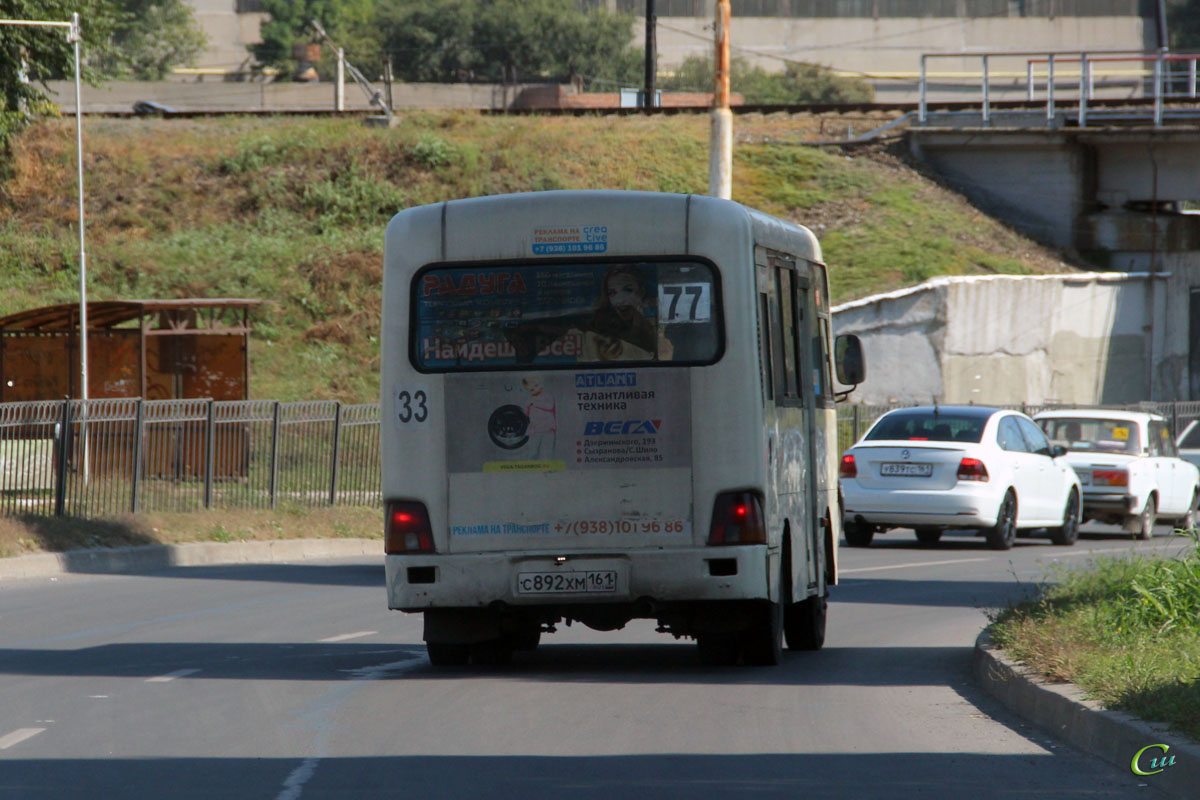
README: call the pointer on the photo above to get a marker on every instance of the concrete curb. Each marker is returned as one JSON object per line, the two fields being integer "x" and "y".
{"x": 154, "y": 557}
{"x": 1064, "y": 711}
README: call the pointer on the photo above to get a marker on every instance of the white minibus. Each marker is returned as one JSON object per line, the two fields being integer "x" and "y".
{"x": 601, "y": 406}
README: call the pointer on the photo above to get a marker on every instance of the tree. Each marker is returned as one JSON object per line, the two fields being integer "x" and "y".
{"x": 153, "y": 36}
{"x": 798, "y": 83}
{"x": 1183, "y": 23}
{"x": 350, "y": 23}
{"x": 29, "y": 56}
{"x": 500, "y": 40}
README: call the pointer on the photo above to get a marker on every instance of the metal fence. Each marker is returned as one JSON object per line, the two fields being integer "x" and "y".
{"x": 101, "y": 457}
{"x": 853, "y": 420}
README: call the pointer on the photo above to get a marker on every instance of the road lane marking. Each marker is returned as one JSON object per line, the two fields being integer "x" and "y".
{"x": 170, "y": 676}
{"x": 916, "y": 564}
{"x": 321, "y": 717}
{"x": 18, "y": 736}
{"x": 345, "y": 636}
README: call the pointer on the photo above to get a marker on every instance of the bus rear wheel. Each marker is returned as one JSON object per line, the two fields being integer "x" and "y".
{"x": 442, "y": 654}
{"x": 492, "y": 653}
{"x": 804, "y": 624}
{"x": 858, "y": 534}
{"x": 762, "y": 642}
{"x": 718, "y": 649}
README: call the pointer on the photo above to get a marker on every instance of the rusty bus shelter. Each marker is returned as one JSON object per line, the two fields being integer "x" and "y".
{"x": 148, "y": 349}
{"x": 153, "y": 349}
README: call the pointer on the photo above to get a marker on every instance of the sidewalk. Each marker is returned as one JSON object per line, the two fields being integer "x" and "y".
{"x": 153, "y": 557}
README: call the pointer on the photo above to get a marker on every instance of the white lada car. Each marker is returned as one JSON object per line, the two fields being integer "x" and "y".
{"x": 1131, "y": 473}
{"x": 954, "y": 467}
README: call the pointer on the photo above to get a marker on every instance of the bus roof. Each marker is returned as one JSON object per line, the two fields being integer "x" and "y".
{"x": 530, "y": 208}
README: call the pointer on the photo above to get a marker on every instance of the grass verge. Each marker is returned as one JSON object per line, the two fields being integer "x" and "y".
{"x": 23, "y": 535}
{"x": 1125, "y": 630}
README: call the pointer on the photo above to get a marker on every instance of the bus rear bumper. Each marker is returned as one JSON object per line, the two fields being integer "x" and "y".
{"x": 478, "y": 580}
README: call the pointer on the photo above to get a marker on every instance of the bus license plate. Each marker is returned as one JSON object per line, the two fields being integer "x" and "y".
{"x": 597, "y": 581}
{"x": 908, "y": 470}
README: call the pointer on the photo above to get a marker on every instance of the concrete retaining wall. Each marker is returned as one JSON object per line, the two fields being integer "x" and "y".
{"x": 1078, "y": 338}
{"x": 216, "y": 95}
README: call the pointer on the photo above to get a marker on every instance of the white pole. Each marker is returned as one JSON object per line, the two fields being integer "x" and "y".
{"x": 75, "y": 36}
{"x": 83, "y": 365}
{"x": 339, "y": 89}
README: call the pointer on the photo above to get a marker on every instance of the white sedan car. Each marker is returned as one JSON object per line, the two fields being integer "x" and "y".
{"x": 1131, "y": 473}
{"x": 934, "y": 468}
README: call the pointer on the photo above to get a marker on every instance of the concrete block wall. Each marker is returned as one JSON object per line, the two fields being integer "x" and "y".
{"x": 1080, "y": 338}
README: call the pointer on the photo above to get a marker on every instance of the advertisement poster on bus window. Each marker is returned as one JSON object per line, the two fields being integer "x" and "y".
{"x": 487, "y": 317}
{"x": 566, "y": 420}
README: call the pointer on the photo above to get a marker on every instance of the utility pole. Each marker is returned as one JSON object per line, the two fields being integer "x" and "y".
{"x": 651, "y": 54}
{"x": 720, "y": 143}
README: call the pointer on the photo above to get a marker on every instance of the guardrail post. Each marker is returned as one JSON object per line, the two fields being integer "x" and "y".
{"x": 274, "y": 478}
{"x": 1085, "y": 88}
{"x": 1192, "y": 77}
{"x": 337, "y": 452}
{"x": 1029, "y": 80}
{"x": 209, "y": 455}
{"x": 1158, "y": 98}
{"x": 986, "y": 105}
{"x": 135, "y": 480}
{"x": 921, "y": 114}
{"x": 60, "y": 485}
{"x": 1050, "y": 89}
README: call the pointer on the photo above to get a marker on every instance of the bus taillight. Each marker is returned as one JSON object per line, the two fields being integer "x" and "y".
{"x": 737, "y": 519}
{"x": 407, "y": 529}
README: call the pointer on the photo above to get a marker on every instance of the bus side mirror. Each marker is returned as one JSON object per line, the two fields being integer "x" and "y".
{"x": 851, "y": 367}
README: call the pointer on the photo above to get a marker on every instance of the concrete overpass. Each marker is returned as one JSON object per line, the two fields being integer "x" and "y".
{"x": 1118, "y": 189}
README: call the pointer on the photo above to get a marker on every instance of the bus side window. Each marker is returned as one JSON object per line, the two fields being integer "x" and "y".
{"x": 775, "y": 342}
{"x": 787, "y": 325}
{"x": 819, "y": 313}
{"x": 764, "y": 347}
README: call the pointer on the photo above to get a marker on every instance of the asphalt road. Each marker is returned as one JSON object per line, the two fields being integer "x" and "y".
{"x": 295, "y": 681}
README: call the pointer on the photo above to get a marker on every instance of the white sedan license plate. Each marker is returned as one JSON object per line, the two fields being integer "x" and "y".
{"x": 593, "y": 581}
{"x": 906, "y": 470}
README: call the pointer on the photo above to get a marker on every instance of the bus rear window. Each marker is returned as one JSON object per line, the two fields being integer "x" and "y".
{"x": 562, "y": 314}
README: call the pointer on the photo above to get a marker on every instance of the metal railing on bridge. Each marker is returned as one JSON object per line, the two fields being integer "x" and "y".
{"x": 1068, "y": 86}
{"x": 91, "y": 458}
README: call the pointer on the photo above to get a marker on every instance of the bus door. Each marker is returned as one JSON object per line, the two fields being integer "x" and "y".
{"x": 793, "y": 441}
{"x": 813, "y": 383}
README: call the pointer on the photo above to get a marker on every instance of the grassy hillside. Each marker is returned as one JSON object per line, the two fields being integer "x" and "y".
{"x": 293, "y": 210}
